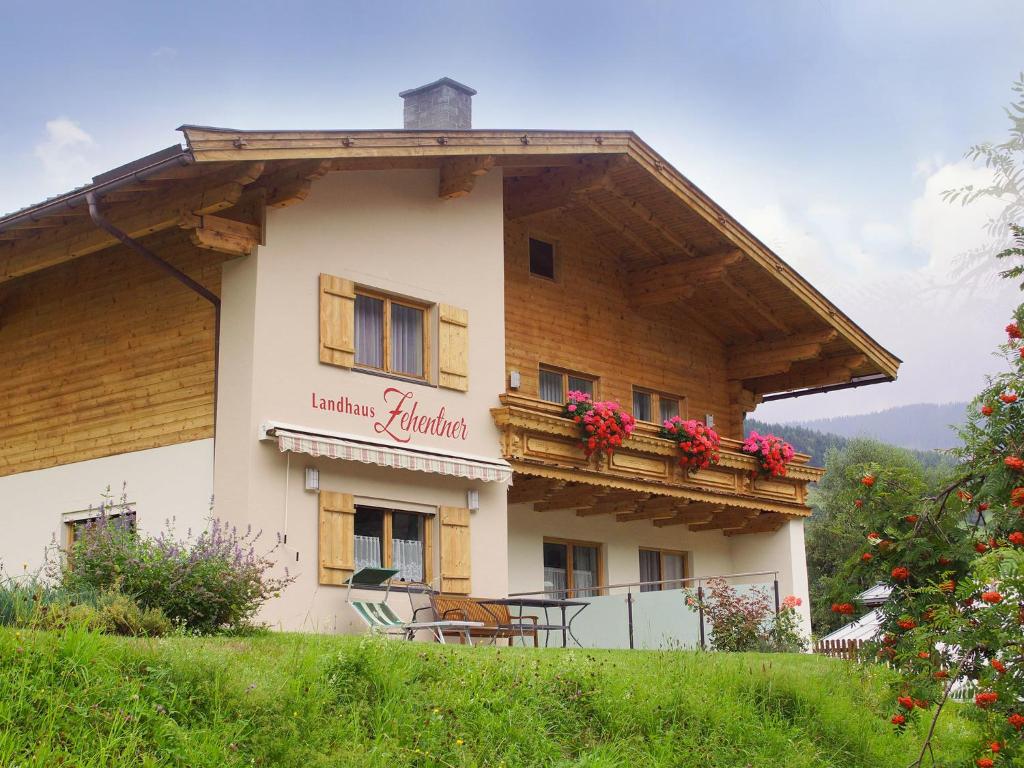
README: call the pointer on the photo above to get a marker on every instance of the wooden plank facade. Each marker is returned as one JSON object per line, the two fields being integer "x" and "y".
{"x": 106, "y": 355}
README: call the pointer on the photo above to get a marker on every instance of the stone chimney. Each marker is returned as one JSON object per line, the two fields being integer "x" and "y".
{"x": 443, "y": 104}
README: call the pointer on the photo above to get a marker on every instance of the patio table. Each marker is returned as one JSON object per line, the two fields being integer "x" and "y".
{"x": 545, "y": 603}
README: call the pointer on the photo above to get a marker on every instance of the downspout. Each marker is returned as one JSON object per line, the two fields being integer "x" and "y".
{"x": 101, "y": 221}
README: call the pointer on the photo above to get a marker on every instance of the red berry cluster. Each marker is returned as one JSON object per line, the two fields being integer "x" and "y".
{"x": 697, "y": 442}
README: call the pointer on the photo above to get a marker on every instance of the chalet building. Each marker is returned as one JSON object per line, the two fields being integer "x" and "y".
{"x": 363, "y": 340}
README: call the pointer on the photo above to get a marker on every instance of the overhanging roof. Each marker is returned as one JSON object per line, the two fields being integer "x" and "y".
{"x": 233, "y": 163}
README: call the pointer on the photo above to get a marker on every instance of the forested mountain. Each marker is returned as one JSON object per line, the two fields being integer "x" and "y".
{"x": 923, "y": 426}
{"x": 816, "y": 443}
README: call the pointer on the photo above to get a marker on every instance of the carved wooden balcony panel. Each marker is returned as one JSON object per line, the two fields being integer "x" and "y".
{"x": 642, "y": 480}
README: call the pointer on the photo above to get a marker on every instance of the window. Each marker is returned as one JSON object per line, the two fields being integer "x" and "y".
{"x": 642, "y": 405}
{"x": 391, "y": 538}
{"x": 555, "y": 386}
{"x": 390, "y": 335}
{"x": 542, "y": 259}
{"x": 662, "y": 565}
{"x": 572, "y": 568}
{"x": 78, "y": 525}
{"x": 668, "y": 407}
{"x": 647, "y": 403}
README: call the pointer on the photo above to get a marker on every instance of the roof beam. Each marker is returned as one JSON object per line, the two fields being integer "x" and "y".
{"x": 679, "y": 280}
{"x": 691, "y": 514}
{"x": 782, "y": 343}
{"x": 641, "y": 211}
{"x": 760, "y": 307}
{"x": 748, "y": 361}
{"x": 215, "y": 233}
{"x": 458, "y": 175}
{"x": 552, "y": 189}
{"x": 770, "y": 361}
{"x": 831, "y": 370}
{"x": 32, "y": 254}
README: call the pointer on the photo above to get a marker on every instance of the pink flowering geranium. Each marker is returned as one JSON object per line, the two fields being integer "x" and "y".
{"x": 602, "y": 425}
{"x": 772, "y": 453}
{"x": 698, "y": 443}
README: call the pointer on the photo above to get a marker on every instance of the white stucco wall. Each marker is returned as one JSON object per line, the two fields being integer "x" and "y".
{"x": 783, "y": 551}
{"x": 387, "y": 231}
{"x": 709, "y": 553}
{"x": 173, "y": 482}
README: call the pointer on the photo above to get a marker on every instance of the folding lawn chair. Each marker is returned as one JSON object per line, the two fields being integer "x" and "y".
{"x": 381, "y": 617}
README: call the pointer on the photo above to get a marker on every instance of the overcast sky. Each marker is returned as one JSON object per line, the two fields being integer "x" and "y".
{"x": 827, "y": 128}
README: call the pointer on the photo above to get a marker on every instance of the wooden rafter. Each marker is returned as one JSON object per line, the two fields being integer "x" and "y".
{"x": 138, "y": 219}
{"x": 782, "y": 343}
{"x": 292, "y": 184}
{"x": 532, "y": 489}
{"x": 639, "y": 210}
{"x": 215, "y": 233}
{"x": 552, "y": 189}
{"x": 761, "y": 308}
{"x": 671, "y": 282}
{"x": 459, "y": 174}
{"x": 830, "y": 370}
{"x": 769, "y": 362}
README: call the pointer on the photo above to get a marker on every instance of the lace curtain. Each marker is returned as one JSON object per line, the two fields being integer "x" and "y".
{"x": 369, "y": 331}
{"x": 406, "y": 340}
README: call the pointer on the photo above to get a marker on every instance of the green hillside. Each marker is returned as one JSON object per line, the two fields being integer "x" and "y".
{"x": 816, "y": 443}
{"x": 920, "y": 426}
{"x": 88, "y": 700}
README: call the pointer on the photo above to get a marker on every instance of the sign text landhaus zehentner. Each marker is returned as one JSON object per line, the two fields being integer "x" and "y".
{"x": 401, "y": 419}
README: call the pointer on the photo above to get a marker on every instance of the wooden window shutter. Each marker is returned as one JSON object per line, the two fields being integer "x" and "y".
{"x": 455, "y": 574}
{"x": 453, "y": 347}
{"x": 337, "y": 321}
{"x": 337, "y": 537}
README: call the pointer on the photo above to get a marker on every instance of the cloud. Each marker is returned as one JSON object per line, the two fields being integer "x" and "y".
{"x": 65, "y": 152}
{"x": 164, "y": 52}
{"x": 923, "y": 309}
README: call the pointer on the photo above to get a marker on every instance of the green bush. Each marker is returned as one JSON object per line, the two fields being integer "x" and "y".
{"x": 114, "y": 614}
{"x": 214, "y": 582}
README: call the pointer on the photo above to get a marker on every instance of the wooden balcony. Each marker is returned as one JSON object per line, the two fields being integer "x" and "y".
{"x": 642, "y": 480}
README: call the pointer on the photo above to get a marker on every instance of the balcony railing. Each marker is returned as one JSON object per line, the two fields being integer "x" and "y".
{"x": 539, "y": 442}
{"x": 634, "y": 615}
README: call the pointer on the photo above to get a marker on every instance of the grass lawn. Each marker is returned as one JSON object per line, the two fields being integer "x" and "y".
{"x": 80, "y": 699}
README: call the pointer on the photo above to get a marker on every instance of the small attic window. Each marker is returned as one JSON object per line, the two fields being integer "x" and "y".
{"x": 542, "y": 258}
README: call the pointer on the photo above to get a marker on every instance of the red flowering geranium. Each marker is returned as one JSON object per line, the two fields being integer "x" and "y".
{"x": 773, "y": 453}
{"x": 602, "y": 425}
{"x": 698, "y": 443}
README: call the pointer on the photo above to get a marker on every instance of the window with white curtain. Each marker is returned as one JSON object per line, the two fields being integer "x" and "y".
{"x": 555, "y": 386}
{"x": 391, "y": 538}
{"x": 369, "y": 331}
{"x": 390, "y": 335}
{"x": 572, "y": 568}
{"x": 649, "y": 405}
{"x": 406, "y": 339}
{"x": 664, "y": 566}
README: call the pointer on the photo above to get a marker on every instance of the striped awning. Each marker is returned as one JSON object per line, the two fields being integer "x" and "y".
{"x": 386, "y": 456}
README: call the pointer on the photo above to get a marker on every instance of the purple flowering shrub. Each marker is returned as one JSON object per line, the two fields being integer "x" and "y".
{"x": 215, "y": 581}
